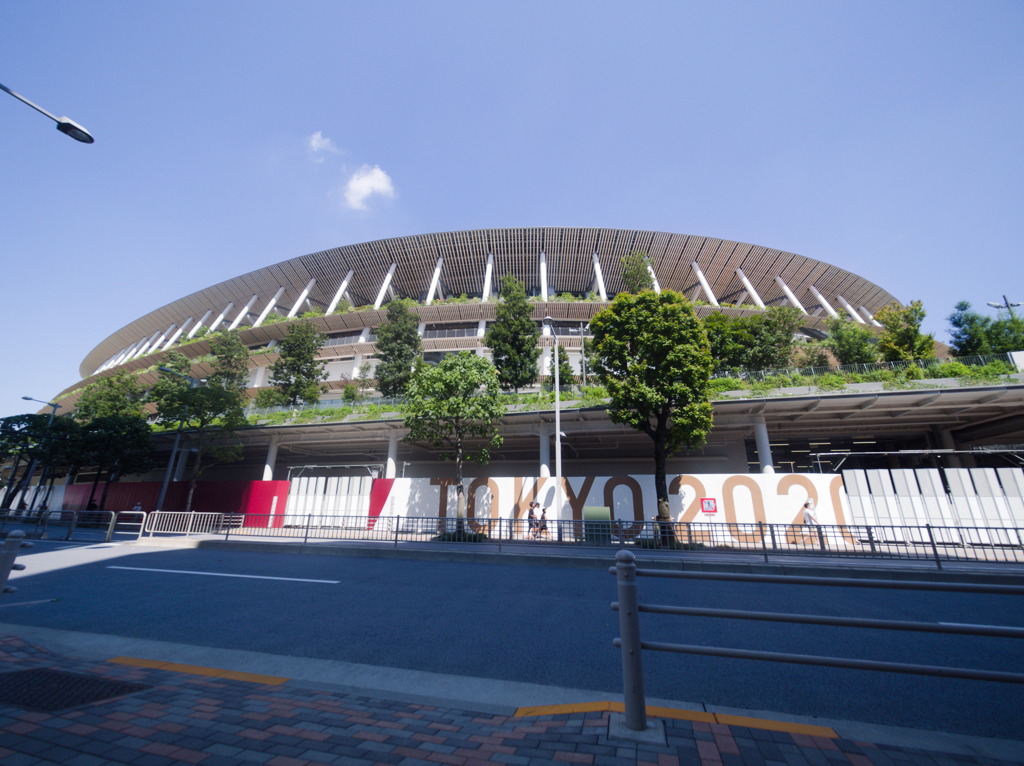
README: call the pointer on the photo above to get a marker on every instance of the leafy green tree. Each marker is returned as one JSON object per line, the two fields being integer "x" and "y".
{"x": 298, "y": 372}
{"x": 231, "y": 362}
{"x": 761, "y": 341}
{"x": 976, "y": 334}
{"x": 1007, "y": 334}
{"x": 20, "y": 443}
{"x": 398, "y": 348}
{"x": 454, "y": 407}
{"x": 512, "y": 337}
{"x": 902, "y": 339}
{"x": 114, "y": 446}
{"x": 814, "y": 355}
{"x": 636, "y": 272}
{"x": 565, "y": 373}
{"x": 653, "y": 356}
{"x": 118, "y": 394}
{"x": 851, "y": 342}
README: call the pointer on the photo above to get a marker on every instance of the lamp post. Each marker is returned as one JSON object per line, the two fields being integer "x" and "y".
{"x": 65, "y": 125}
{"x": 192, "y": 383}
{"x": 558, "y": 423}
{"x": 32, "y": 465}
{"x": 1004, "y": 305}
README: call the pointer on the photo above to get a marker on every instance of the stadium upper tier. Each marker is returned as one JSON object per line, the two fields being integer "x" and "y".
{"x": 348, "y": 285}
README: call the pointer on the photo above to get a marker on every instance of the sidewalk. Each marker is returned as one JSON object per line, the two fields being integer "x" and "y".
{"x": 112, "y": 708}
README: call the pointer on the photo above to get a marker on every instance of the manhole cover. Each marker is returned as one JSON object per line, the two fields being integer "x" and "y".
{"x": 48, "y": 690}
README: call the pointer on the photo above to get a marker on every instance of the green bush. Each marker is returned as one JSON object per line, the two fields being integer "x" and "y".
{"x": 831, "y": 382}
{"x": 721, "y": 385}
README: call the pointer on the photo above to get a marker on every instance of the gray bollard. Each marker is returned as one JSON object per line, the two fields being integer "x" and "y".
{"x": 8, "y": 552}
{"x": 629, "y": 632}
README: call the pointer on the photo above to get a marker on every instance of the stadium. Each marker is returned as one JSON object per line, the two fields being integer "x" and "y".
{"x": 569, "y": 274}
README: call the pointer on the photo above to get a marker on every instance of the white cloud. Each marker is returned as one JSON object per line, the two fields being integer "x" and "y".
{"x": 319, "y": 143}
{"x": 366, "y": 182}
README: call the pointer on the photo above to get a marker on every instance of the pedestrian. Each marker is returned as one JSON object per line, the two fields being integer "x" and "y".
{"x": 532, "y": 522}
{"x": 808, "y": 509}
{"x": 137, "y": 508}
{"x": 542, "y": 523}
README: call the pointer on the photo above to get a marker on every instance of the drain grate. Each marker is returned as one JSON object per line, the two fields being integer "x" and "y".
{"x": 48, "y": 690}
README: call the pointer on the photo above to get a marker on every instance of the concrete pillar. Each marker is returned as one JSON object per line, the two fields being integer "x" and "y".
{"x": 764, "y": 449}
{"x": 243, "y": 313}
{"x": 271, "y": 461}
{"x": 391, "y": 467}
{"x": 704, "y": 284}
{"x": 195, "y": 329}
{"x": 434, "y": 279}
{"x": 850, "y": 310}
{"x": 749, "y": 288}
{"x": 599, "y": 277}
{"x": 543, "y": 273}
{"x": 789, "y": 294}
{"x": 485, "y": 296}
{"x": 271, "y": 305}
{"x": 340, "y": 293}
{"x": 545, "y": 451}
{"x": 382, "y": 294}
{"x": 302, "y": 297}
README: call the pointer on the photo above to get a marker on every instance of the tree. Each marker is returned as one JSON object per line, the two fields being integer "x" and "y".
{"x": 119, "y": 394}
{"x": 115, "y": 445}
{"x": 298, "y": 371}
{"x": 763, "y": 341}
{"x": 1007, "y": 334}
{"x": 902, "y": 339}
{"x": 565, "y": 373}
{"x": 398, "y": 348}
{"x": 231, "y": 362}
{"x": 20, "y": 442}
{"x": 512, "y": 337}
{"x": 974, "y": 333}
{"x": 851, "y": 342}
{"x": 636, "y": 272}
{"x": 207, "y": 410}
{"x": 653, "y": 356}
{"x": 454, "y": 406}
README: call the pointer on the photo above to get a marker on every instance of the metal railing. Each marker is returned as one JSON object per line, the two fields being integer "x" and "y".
{"x": 632, "y": 646}
{"x": 74, "y": 525}
{"x": 924, "y": 543}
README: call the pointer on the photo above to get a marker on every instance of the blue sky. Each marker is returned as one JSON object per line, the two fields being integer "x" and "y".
{"x": 882, "y": 137}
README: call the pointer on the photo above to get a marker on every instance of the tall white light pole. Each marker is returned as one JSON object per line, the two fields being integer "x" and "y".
{"x": 65, "y": 125}
{"x": 1004, "y": 305}
{"x": 558, "y": 423}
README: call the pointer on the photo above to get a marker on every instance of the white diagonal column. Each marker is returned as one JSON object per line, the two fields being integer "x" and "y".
{"x": 146, "y": 345}
{"x": 704, "y": 284}
{"x": 821, "y": 299}
{"x": 341, "y": 292}
{"x": 384, "y": 287}
{"x": 790, "y": 295}
{"x": 599, "y": 277}
{"x": 434, "y": 279}
{"x": 243, "y": 313}
{"x": 749, "y": 288}
{"x": 177, "y": 334}
{"x": 850, "y": 310}
{"x": 485, "y": 296}
{"x": 302, "y": 297}
{"x": 542, "y": 270}
{"x": 271, "y": 304}
{"x": 870, "y": 317}
{"x": 194, "y": 330}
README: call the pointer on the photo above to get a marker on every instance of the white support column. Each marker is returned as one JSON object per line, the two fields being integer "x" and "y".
{"x": 481, "y": 328}
{"x": 704, "y": 284}
{"x": 126, "y": 355}
{"x": 242, "y": 314}
{"x": 749, "y": 288}
{"x": 177, "y": 334}
{"x": 384, "y": 287}
{"x": 850, "y": 310}
{"x": 163, "y": 335}
{"x": 543, "y": 272}
{"x": 391, "y": 466}
{"x": 271, "y": 460}
{"x": 259, "y": 377}
{"x": 790, "y": 295}
{"x": 271, "y": 304}
{"x": 488, "y": 276}
{"x": 545, "y": 451}
{"x": 194, "y": 330}
{"x": 601, "y": 291}
{"x": 338, "y": 295}
{"x": 764, "y": 448}
{"x": 357, "y": 362}
{"x": 870, "y": 317}
{"x": 146, "y": 345}
{"x": 821, "y": 299}
{"x": 220, "y": 317}
{"x": 654, "y": 278}
{"x": 107, "y": 363}
{"x": 433, "y": 281}
{"x": 302, "y": 297}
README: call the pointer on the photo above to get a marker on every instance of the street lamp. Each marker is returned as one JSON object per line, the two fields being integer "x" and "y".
{"x": 32, "y": 465}
{"x": 1004, "y": 305}
{"x": 65, "y": 125}
{"x": 558, "y": 423}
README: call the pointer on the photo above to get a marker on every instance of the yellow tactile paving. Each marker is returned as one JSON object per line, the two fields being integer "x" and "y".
{"x": 198, "y": 670}
{"x": 681, "y": 715}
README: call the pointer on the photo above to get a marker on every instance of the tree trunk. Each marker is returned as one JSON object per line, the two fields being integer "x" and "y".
{"x": 664, "y": 534}
{"x": 194, "y": 480}
{"x": 460, "y": 495}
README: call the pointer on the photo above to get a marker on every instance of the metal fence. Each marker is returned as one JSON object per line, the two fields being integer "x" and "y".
{"x": 75, "y": 525}
{"x": 632, "y": 646}
{"x": 935, "y": 544}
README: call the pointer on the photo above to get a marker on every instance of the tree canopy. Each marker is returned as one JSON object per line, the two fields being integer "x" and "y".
{"x": 398, "y": 348}
{"x": 975, "y": 334}
{"x": 118, "y": 394}
{"x": 851, "y": 342}
{"x": 902, "y": 339}
{"x": 636, "y": 272}
{"x": 298, "y": 372}
{"x": 454, "y": 407}
{"x": 512, "y": 337}
{"x": 761, "y": 341}
{"x": 652, "y": 354}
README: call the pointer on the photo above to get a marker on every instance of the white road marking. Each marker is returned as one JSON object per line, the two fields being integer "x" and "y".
{"x": 224, "y": 574}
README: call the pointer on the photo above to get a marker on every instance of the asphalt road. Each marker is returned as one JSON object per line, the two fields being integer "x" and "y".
{"x": 546, "y": 625}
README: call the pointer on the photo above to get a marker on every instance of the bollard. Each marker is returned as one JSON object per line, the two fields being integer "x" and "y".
{"x": 8, "y": 552}
{"x": 629, "y": 632}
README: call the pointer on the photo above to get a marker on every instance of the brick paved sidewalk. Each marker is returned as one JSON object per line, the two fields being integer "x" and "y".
{"x": 216, "y": 718}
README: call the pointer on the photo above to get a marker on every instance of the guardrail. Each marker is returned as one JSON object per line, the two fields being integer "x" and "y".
{"x": 632, "y": 646}
{"x": 75, "y": 525}
{"x": 928, "y": 543}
